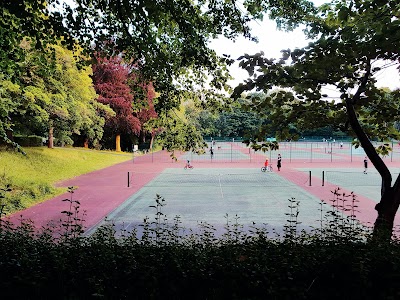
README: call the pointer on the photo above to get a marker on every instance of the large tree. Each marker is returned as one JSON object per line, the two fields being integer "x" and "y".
{"x": 110, "y": 78}
{"x": 57, "y": 98}
{"x": 352, "y": 42}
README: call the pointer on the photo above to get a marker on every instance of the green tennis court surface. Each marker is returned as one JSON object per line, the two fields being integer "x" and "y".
{"x": 367, "y": 185}
{"x": 214, "y": 194}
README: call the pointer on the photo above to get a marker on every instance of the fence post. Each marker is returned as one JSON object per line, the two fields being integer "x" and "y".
{"x": 270, "y": 158}
{"x": 391, "y": 153}
{"x": 231, "y": 150}
{"x": 331, "y": 150}
{"x": 309, "y": 178}
{"x": 128, "y": 179}
{"x": 351, "y": 152}
{"x": 250, "y": 154}
{"x": 323, "y": 178}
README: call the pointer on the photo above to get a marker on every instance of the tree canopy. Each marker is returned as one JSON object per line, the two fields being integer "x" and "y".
{"x": 119, "y": 86}
{"x": 169, "y": 40}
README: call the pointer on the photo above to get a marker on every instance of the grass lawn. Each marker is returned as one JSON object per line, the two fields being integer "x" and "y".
{"x": 32, "y": 177}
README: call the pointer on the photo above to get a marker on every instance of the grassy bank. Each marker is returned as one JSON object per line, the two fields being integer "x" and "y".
{"x": 32, "y": 177}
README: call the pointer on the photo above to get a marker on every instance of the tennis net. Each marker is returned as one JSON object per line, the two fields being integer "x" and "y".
{"x": 189, "y": 179}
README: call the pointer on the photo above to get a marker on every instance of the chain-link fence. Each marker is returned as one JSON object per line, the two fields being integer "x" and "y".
{"x": 303, "y": 151}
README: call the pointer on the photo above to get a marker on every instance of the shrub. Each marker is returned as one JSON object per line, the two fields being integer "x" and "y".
{"x": 29, "y": 141}
{"x": 162, "y": 263}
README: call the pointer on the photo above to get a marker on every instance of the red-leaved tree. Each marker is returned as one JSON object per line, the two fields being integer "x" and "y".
{"x": 110, "y": 78}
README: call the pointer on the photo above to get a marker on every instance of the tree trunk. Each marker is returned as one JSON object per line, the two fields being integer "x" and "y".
{"x": 387, "y": 209}
{"x": 86, "y": 143}
{"x": 10, "y": 135}
{"x": 142, "y": 136}
{"x": 151, "y": 143}
{"x": 51, "y": 137}
{"x": 118, "y": 143}
{"x": 389, "y": 203}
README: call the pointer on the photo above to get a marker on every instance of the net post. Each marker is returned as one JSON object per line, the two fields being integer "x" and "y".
{"x": 128, "y": 178}
{"x": 309, "y": 178}
{"x": 323, "y": 178}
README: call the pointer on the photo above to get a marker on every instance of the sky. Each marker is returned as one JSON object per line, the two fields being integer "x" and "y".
{"x": 272, "y": 41}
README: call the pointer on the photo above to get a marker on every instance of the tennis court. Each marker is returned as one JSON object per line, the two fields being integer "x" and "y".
{"x": 367, "y": 185}
{"x": 216, "y": 195}
{"x": 218, "y": 189}
{"x": 230, "y": 186}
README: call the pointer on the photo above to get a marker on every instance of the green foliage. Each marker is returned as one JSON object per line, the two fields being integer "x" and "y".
{"x": 335, "y": 261}
{"x": 27, "y": 20}
{"x": 9, "y": 94}
{"x": 168, "y": 43}
{"x": 288, "y": 14}
{"x": 171, "y": 38}
{"x": 178, "y": 133}
{"x": 73, "y": 225}
{"x": 63, "y": 98}
{"x": 29, "y": 141}
{"x": 230, "y": 120}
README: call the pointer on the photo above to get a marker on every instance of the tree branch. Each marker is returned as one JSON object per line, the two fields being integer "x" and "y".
{"x": 363, "y": 85}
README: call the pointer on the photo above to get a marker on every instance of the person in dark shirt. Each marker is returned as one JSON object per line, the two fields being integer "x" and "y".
{"x": 365, "y": 165}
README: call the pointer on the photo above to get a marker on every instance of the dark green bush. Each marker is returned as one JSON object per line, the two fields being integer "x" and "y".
{"x": 144, "y": 146}
{"x": 336, "y": 261}
{"x": 38, "y": 266}
{"x": 29, "y": 141}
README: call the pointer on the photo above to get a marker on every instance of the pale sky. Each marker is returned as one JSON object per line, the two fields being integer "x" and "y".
{"x": 272, "y": 41}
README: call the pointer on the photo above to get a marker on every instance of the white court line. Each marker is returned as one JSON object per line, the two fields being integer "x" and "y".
{"x": 220, "y": 186}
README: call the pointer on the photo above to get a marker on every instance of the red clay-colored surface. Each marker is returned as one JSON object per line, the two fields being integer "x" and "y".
{"x": 100, "y": 192}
